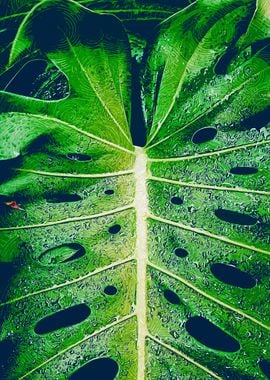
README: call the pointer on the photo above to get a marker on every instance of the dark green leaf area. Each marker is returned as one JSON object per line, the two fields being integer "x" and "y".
{"x": 39, "y": 315}
{"x": 172, "y": 322}
{"x": 197, "y": 267}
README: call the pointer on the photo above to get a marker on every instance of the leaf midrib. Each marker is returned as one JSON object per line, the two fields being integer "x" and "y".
{"x": 141, "y": 206}
{"x": 142, "y": 214}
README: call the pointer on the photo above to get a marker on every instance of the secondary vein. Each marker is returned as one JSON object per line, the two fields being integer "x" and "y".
{"x": 68, "y": 220}
{"x": 184, "y": 356}
{"x": 97, "y": 94}
{"x": 54, "y": 287}
{"x": 71, "y": 175}
{"x": 206, "y": 295}
{"x": 208, "y": 154}
{"x": 113, "y": 324}
{"x": 209, "y": 234}
{"x": 208, "y": 110}
{"x": 210, "y": 187}
{"x": 45, "y": 117}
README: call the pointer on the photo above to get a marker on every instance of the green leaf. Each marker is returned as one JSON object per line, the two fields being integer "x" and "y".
{"x": 136, "y": 262}
{"x": 138, "y": 17}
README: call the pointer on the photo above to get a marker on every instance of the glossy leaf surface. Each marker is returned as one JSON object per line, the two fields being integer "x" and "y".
{"x": 129, "y": 262}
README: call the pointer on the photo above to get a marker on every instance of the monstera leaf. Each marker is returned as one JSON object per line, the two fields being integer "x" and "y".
{"x": 138, "y": 16}
{"x": 128, "y": 262}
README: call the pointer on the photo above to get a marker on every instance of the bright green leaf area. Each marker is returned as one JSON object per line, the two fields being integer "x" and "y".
{"x": 154, "y": 257}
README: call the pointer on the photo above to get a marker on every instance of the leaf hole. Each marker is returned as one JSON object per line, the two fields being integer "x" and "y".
{"x": 176, "y": 200}
{"x": 259, "y": 45}
{"x": 63, "y": 198}
{"x": 203, "y": 135}
{"x": 171, "y": 297}
{"x": 223, "y": 63}
{"x": 101, "y": 368}
{"x": 37, "y": 78}
{"x": 243, "y": 170}
{"x": 265, "y": 367}
{"x": 258, "y": 121}
{"x": 210, "y": 335}
{"x": 110, "y": 290}
{"x": 231, "y": 275}
{"x": 79, "y": 157}
{"x": 64, "y": 318}
{"x": 39, "y": 144}
{"x": 62, "y": 254}
{"x": 180, "y": 252}
{"x": 115, "y": 229}
{"x": 109, "y": 192}
{"x": 235, "y": 217}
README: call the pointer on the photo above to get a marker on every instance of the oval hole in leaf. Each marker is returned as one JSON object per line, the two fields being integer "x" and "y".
{"x": 64, "y": 318}
{"x": 203, "y": 135}
{"x": 115, "y": 229}
{"x": 101, "y": 368}
{"x": 110, "y": 290}
{"x": 176, "y": 200}
{"x": 265, "y": 367}
{"x": 235, "y": 217}
{"x": 243, "y": 170}
{"x": 231, "y": 275}
{"x": 180, "y": 252}
{"x": 37, "y": 78}
{"x": 23, "y": 81}
{"x": 171, "y": 297}
{"x": 223, "y": 63}
{"x": 210, "y": 335}
{"x": 258, "y": 121}
{"x": 109, "y": 192}
{"x": 79, "y": 157}
{"x": 62, "y": 254}
{"x": 62, "y": 198}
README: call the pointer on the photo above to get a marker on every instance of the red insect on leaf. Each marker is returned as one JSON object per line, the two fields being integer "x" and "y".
{"x": 13, "y": 204}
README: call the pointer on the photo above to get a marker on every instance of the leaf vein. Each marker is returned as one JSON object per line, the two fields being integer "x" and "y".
{"x": 206, "y": 295}
{"x": 68, "y": 220}
{"x": 184, "y": 356}
{"x": 208, "y": 234}
{"x": 105, "y": 328}
{"x": 54, "y": 287}
{"x": 210, "y": 187}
